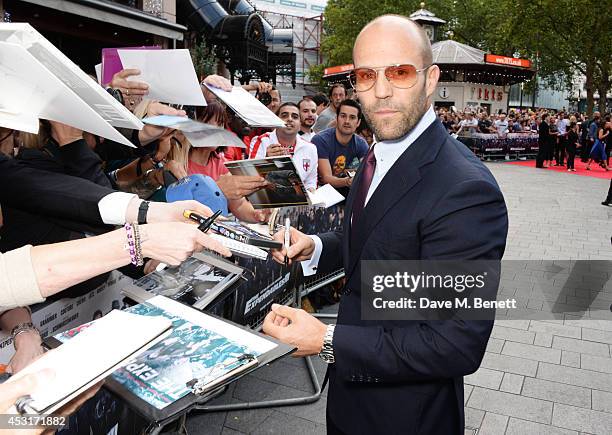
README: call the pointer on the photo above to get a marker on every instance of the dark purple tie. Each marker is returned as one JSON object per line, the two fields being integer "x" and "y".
{"x": 365, "y": 180}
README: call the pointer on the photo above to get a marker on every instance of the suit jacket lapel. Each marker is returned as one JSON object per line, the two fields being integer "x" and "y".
{"x": 401, "y": 178}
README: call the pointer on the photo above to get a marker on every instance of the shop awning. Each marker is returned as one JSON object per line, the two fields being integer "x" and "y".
{"x": 116, "y": 14}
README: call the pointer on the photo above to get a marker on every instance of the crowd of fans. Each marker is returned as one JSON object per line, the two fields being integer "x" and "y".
{"x": 561, "y": 135}
{"x": 326, "y": 135}
{"x": 320, "y": 135}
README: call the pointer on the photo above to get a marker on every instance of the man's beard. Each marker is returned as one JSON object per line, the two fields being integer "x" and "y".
{"x": 410, "y": 115}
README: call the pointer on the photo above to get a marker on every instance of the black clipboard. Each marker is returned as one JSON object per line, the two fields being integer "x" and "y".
{"x": 184, "y": 404}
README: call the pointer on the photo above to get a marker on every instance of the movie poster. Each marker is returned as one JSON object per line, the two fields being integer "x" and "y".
{"x": 200, "y": 348}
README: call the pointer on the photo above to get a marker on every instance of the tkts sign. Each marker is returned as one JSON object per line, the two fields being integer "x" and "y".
{"x": 509, "y": 61}
{"x": 487, "y": 94}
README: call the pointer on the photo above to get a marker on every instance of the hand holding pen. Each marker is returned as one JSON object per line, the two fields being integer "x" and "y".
{"x": 299, "y": 247}
{"x": 203, "y": 227}
{"x": 205, "y": 223}
{"x": 287, "y": 240}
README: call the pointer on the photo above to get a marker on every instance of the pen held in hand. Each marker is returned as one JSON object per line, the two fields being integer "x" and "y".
{"x": 287, "y": 240}
{"x": 205, "y": 223}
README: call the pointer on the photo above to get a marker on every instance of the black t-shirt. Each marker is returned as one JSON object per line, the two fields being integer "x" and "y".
{"x": 572, "y": 138}
{"x": 483, "y": 126}
{"x": 544, "y": 133}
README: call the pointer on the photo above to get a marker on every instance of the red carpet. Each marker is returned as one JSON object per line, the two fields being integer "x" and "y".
{"x": 596, "y": 170}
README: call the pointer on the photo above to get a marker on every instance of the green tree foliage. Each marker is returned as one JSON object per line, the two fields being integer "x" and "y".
{"x": 203, "y": 58}
{"x": 561, "y": 37}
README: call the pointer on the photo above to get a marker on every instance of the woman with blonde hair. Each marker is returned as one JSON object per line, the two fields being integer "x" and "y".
{"x": 210, "y": 161}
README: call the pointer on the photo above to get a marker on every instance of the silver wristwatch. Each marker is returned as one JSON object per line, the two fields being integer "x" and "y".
{"x": 327, "y": 353}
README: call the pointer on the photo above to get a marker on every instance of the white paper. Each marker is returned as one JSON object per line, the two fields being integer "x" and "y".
{"x": 213, "y": 138}
{"x": 30, "y": 90}
{"x": 248, "y": 107}
{"x": 325, "y": 196}
{"x": 92, "y": 352}
{"x": 199, "y": 134}
{"x": 70, "y": 75}
{"x": 169, "y": 73}
{"x": 98, "y": 68}
{"x": 233, "y": 333}
{"x": 19, "y": 121}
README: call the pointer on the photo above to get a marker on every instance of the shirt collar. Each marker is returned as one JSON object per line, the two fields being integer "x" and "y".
{"x": 299, "y": 141}
{"x": 387, "y": 152}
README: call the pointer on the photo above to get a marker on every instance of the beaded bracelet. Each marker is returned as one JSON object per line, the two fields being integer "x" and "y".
{"x": 138, "y": 245}
{"x": 132, "y": 245}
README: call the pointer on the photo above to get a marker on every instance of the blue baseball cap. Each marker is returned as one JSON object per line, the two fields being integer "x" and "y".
{"x": 200, "y": 187}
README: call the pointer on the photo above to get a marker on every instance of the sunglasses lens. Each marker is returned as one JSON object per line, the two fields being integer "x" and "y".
{"x": 402, "y": 76}
{"x": 363, "y": 79}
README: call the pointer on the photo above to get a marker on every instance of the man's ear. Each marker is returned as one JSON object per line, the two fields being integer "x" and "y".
{"x": 433, "y": 75}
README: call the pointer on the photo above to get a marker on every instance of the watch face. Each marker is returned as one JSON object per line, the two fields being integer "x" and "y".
{"x": 327, "y": 357}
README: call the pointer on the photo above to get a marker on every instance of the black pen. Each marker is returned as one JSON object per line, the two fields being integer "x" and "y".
{"x": 205, "y": 223}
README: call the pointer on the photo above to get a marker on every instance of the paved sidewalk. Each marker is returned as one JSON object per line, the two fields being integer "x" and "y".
{"x": 538, "y": 376}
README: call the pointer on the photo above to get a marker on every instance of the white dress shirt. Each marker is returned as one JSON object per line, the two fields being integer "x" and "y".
{"x": 304, "y": 156}
{"x": 386, "y": 154}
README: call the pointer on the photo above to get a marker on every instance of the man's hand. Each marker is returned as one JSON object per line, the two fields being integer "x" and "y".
{"x": 149, "y": 133}
{"x": 297, "y": 328}
{"x": 174, "y": 242}
{"x": 301, "y": 247}
{"x": 166, "y": 211}
{"x": 219, "y": 82}
{"x": 29, "y": 348}
{"x": 262, "y": 216}
{"x": 239, "y": 186}
{"x": 173, "y": 211}
{"x": 260, "y": 87}
{"x": 129, "y": 88}
{"x": 10, "y": 391}
{"x": 275, "y": 150}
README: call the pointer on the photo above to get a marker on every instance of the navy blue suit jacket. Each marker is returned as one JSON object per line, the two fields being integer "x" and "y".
{"x": 438, "y": 201}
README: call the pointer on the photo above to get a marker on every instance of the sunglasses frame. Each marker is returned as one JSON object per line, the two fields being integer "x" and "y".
{"x": 384, "y": 68}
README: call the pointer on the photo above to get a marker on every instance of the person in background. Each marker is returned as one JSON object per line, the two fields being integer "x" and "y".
{"x": 308, "y": 117}
{"x": 337, "y": 94}
{"x": 484, "y": 123}
{"x": 562, "y": 126}
{"x": 501, "y": 125}
{"x": 592, "y": 133}
{"x": 321, "y": 101}
{"x": 286, "y": 141}
{"x": 210, "y": 161}
{"x": 598, "y": 152}
{"x": 339, "y": 148}
{"x": 608, "y": 141}
{"x": 608, "y": 200}
{"x": 469, "y": 124}
{"x": 571, "y": 145}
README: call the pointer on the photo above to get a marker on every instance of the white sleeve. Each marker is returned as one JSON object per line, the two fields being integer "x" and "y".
{"x": 261, "y": 151}
{"x": 309, "y": 267}
{"x": 114, "y": 206}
